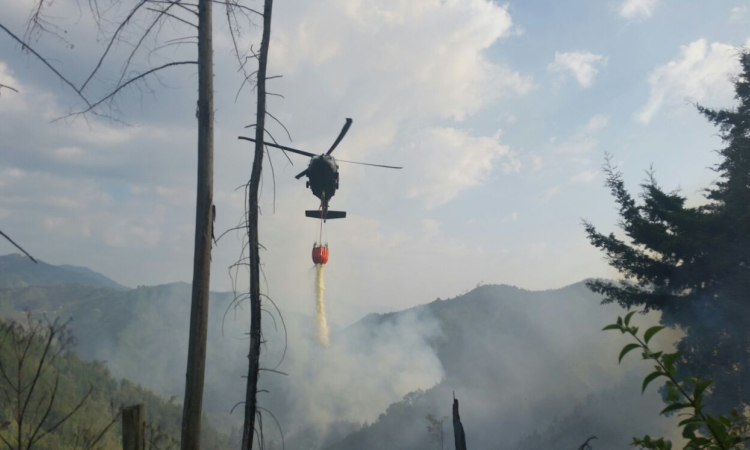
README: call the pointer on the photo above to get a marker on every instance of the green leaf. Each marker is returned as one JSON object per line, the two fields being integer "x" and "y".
{"x": 619, "y": 320}
{"x": 651, "y": 332}
{"x": 668, "y": 359}
{"x": 689, "y": 431}
{"x": 627, "y": 318}
{"x": 649, "y": 379}
{"x": 674, "y": 407}
{"x": 691, "y": 419}
{"x": 700, "y": 387}
{"x": 717, "y": 428}
{"x": 673, "y": 394}
{"x": 614, "y": 326}
{"x": 628, "y": 348}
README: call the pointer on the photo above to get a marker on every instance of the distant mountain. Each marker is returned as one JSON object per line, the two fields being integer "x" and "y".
{"x": 17, "y": 271}
{"x": 516, "y": 359}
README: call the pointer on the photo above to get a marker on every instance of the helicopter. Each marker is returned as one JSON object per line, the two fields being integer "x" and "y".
{"x": 323, "y": 174}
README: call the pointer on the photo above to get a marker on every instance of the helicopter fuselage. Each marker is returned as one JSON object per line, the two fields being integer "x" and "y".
{"x": 323, "y": 178}
{"x": 322, "y": 174}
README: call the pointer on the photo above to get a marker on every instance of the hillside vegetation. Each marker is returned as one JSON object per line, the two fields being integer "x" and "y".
{"x": 505, "y": 351}
{"x": 77, "y": 379}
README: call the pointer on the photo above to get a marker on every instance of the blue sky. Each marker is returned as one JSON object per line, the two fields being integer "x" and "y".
{"x": 501, "y": 114}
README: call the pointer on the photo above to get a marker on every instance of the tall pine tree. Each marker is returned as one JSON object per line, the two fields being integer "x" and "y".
{"x": 693, "y": 263}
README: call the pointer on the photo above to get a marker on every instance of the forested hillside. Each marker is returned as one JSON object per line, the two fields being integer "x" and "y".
{"x": 75, "y": 382}
{"x": 505, "y": 351}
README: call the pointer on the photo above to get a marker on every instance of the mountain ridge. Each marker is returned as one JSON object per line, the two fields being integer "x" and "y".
{"x": 17, "y": 271}
{"x": 504, "y": 350}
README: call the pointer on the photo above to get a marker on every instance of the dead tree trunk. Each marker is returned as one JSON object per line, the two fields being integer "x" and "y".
{"x": 133, "y": 428}
{"x": 458, "y": 428}
{"x": 193, "y": 405}
{"x": 252, "y": 231}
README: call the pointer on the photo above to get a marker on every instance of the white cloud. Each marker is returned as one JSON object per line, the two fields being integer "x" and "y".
{"x": 701, "y": 71}
{"x": 11, "y": 175}
{"x": 393, "y": 59}
{"x": 596, "y": 124}
{"x": 537, "y": 162}
{"x": 452, "y": 161}
{"x": 511, "y": 164}
{"x": 537, "y": 250}
{"x": 739, "y": 14}
{"x": 6, "y": 77}
{"x": 430, "y": 228}
{"x": 583, "y": 66}
{"x": 69, "y": 152}
{"x": 12, "y": 98}
{"x": 586, "y": 176}
{"x": 512, "y": 217}
{"x": 637, "y": 9}
{"x": 549, "y": 193}
{"x": 584, "y": 140}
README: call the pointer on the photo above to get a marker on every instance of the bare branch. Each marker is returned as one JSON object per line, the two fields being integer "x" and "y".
{"x": 16, "y": 245}
{"x": 46, "y": 63}
{"x": 281, "y": 432}
{"x": 130, "y": 81}
{"x": 182, "y": 5}
{"x": 234, "y": 4}
{"x": 165, "y": 13}
{"x": 5, "y": 86}
{"x": 67, "y": 416}
{"x": 282, "y": 126}
{"x": 140, "y": 41}
{"x": 93, "y": 443}
{"x": 112, "y": 41}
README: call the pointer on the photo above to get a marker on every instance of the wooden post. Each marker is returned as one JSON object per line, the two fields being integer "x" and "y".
{"x": 134, "y": 428}
{"x": 458, "y": 428}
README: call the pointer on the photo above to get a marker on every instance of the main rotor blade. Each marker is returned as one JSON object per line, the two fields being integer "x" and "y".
{"x": 368, "y": 164}
{"x": 341, "y": 136}
{"x": 289, "y": 149}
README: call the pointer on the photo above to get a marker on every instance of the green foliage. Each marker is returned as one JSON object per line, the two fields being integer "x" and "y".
{"x": 702, "y": 430}
{"x": 88, "y": 384}
{"x": 693, "y": 263}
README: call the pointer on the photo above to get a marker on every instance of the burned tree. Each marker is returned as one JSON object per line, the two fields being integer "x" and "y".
{"x": 144, "y": 19}
{"x": 17, "y": 246}
{"x": 251, "y": 395}
{"x": 435, "y": 429}
{"x": 458, "y": 428}
{"x": 102, "y": 105}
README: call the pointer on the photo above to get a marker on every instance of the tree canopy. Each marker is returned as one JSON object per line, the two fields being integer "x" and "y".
{"x": 692, "y": 263}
